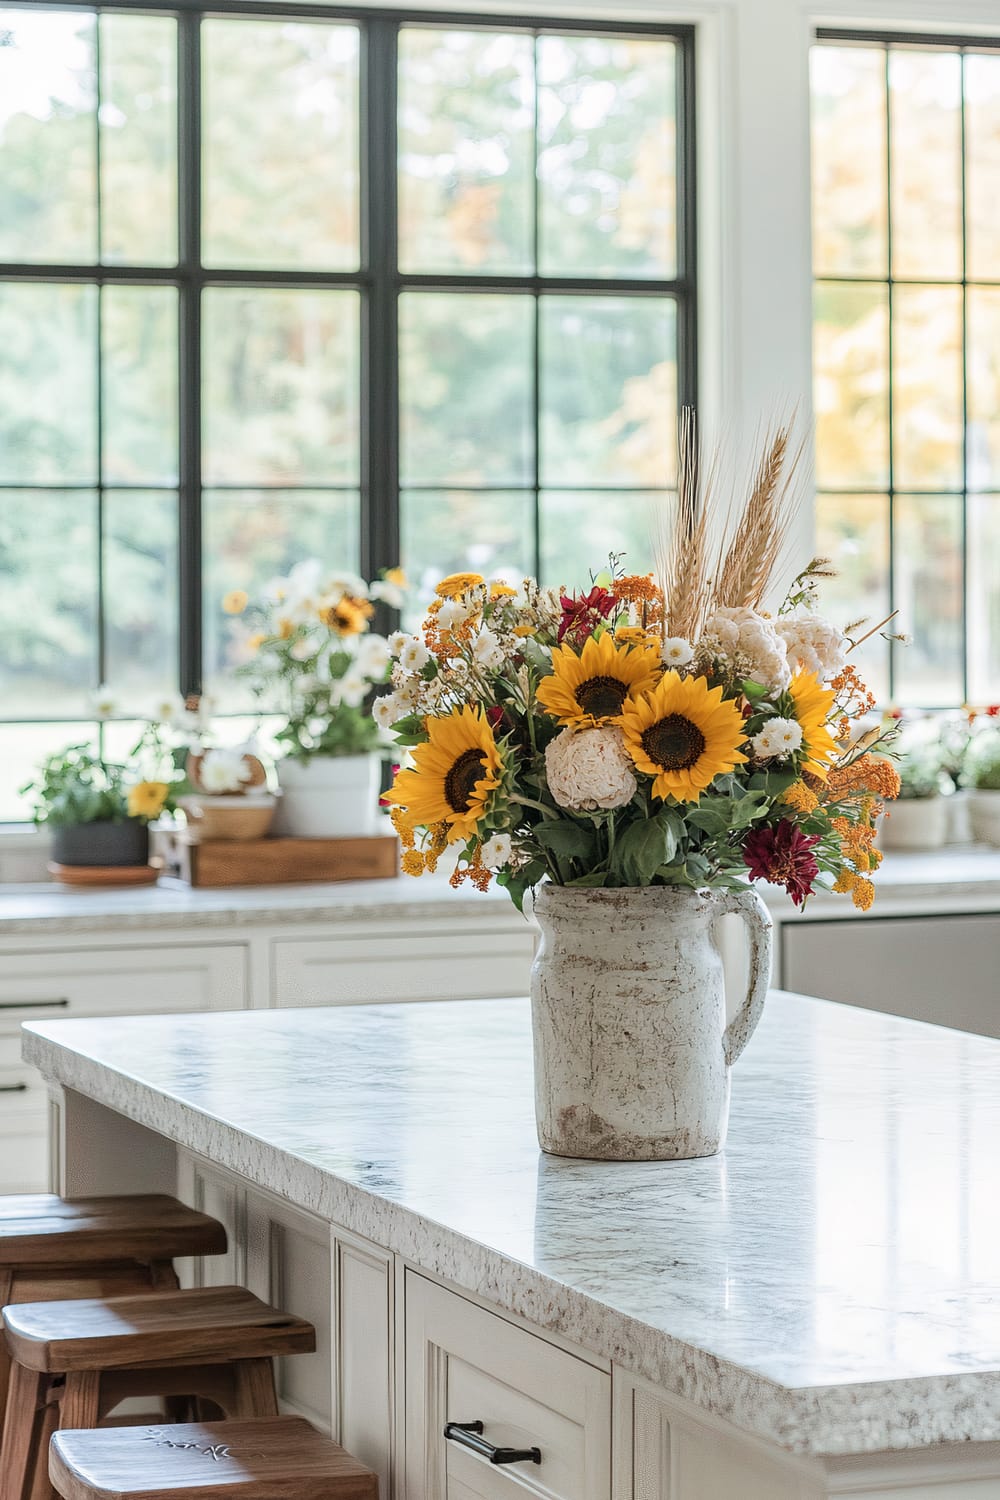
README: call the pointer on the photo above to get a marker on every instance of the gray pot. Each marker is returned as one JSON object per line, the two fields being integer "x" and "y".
{"x": 105, "y": 844}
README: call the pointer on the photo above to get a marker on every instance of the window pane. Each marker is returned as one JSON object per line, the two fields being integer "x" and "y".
{"x": 139, "y": 347}
{"x": 849, "y": 177}
{"x": 22, "y": 749}
{"x": 853, "y": 532}
{"x": 48, "y": 383}
{"x": 140, "y": 595}
{"x": 48, "y": 602}
{"x": 48, "y": 152}
{"x": 851, "y": 385}
{"x": 251, "y": 537}
{"x": 454, "y": 532}
{"x": 982, "y": 164}
{"x": 927, "y": 387}
{"x": 927, "y": 567}
{"x": 983, "y": 374}
{"x": 281, "y": 386}
{"x": 466, "y": 151}
{"x": 580, "y": 531}
{"x": 984, "y": 599}
{"x": 607, "y": 164}
{"x": 281, "y": 144}
{"x": 608, "y": 390}
{"x": 138, "y": 140}
{"x": 925, "y": 123}
{"x": 465, "y": 363}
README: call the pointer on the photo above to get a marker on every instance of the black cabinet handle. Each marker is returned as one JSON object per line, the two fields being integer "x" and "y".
{"x": 59, "y": 1004}
{"x": 13, "y": 1088}
{"x": 469, "y": 1435}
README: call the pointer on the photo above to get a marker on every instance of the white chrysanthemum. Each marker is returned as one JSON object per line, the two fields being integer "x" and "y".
{"x": 779, "y": 737}
{"x": 223, "y": 771}
{"x": 406, "y": 689}
{"x": 456, "y": 611}
{"x": 589, "y": 768}
{"x": 676, "y": 652}
{"x": 749, "y": 645}
{"x": 388, "y": 593}
{"x": 349, "y": 691}
{"x": 496, "y": 851}
{"x": 387, "y": 710}
{"x": 300, "y": 650}
{"x": 103, "y": 702}
{"x": 813, "y": 644}
{"x": 487, "y": 650}
{"x": 397, "y": 641}
{"x": 372, "y": 656}
{"x": 414, "y": 655}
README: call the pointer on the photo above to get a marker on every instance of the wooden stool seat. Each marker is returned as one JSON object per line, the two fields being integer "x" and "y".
{"x": 280, "y": 1459}
{"x": 204, "y": 1326}
{"x": 40, "y": 1229}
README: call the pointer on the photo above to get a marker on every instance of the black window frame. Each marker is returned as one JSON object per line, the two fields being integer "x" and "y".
{"x": 378, "y": 279}
{"x": 961, "y": 44}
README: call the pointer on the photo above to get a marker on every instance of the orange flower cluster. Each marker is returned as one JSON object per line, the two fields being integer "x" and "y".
{"x": 800, "y": 798}
{"x": 849, "y": 687}
{"x": 861, "y": 890}
{"x": 446, "y": 642}
{"x": 868, "y": 773}
{"x": 857, "y": 842}
{"x": 418, "y": 861}
{"x": 474, "y": 870}
{"x": 645, "y": 593}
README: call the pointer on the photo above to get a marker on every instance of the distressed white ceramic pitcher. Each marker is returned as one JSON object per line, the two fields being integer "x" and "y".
{"x": 632, "y": 1050}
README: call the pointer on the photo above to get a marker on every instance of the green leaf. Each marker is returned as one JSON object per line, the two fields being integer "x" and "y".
{"x": 645, "y": 845}
{"x": 565, "y": 838}
{"x": 594, "y": 879}
{"x": 753, "y": 690}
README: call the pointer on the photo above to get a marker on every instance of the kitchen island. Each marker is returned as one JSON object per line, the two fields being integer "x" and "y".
{"x": 814, "y": 1312}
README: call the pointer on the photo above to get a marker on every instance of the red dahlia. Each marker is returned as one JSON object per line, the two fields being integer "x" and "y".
{"x": 784, "y": 856}
{"x": 583, "y": 612}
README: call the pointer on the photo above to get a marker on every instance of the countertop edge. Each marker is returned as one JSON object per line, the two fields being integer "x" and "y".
{"x": 815, "y": 1422}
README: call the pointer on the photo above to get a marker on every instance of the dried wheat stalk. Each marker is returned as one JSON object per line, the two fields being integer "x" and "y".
{"x": 762, "y": 530}
{"x": 682, "y": 552}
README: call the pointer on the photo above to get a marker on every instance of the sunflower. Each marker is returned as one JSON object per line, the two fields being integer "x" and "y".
{"x": 813, "y": 704}
{"x": 453, "y": 774}
{"x": 685, "y": 734}
{"x": 596, "y": 686}
{"x": 147, "y": 798}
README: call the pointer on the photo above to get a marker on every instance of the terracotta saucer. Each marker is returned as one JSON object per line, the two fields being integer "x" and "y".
{"x": 95, "y": 875}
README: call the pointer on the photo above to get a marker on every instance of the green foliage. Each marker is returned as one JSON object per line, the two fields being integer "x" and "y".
{"x": 985, "y": 769}
{"x": 75, "y": 786}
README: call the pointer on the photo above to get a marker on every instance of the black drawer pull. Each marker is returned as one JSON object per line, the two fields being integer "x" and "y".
{"x": 469, "y": 1435}
{"x": 13, "y": 1088}
{"x": 59, "y": 1004}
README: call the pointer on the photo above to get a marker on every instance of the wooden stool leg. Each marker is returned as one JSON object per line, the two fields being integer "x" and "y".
{"x": 81, "y": 1399}
{"x": 6, "y": 1292}
{"x": 163, "y": 1277}
{"x": 254, "y": 1394}
{"x": 22, "y": 1432}
{"x": 48, "y": 1423}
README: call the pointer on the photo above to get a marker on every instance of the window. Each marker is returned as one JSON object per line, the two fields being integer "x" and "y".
{"x": 906, "y": 218}
{"x": 318, "y": 281}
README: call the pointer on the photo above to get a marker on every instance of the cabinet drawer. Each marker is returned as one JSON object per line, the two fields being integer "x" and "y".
{"x": 466, "y": 1365}
{"x": 446, "y": 965}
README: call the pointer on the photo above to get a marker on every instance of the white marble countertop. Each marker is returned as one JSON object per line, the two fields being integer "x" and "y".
{"x": 957, "y": 877}
{"x": 830, "y": 1282}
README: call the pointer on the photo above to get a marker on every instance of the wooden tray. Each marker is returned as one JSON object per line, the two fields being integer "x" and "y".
{"x": 217, "y": 863}
{"x": 106, "y": 875}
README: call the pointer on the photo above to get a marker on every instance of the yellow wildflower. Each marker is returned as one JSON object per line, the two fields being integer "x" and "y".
{"x": 255, "y": 641}
{"x": 800, "y": 798}
{"x": 413, "y": 862}
{"x": 146, "y": 799}
{"x": 235, "y": 602}
{"x": 396, "y": 576}
{"x": 457, "y": 584}
{"x": 502, "y": 591}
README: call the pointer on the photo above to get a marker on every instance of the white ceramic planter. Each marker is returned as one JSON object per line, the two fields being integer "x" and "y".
{"x": 915, "y": 823}
{"x": 984, "y": 816}
{"x": 632, "y": 1050}
{"x": 329, "y": 797}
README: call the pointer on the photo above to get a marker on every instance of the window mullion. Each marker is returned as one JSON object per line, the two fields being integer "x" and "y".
{"x": 190, "y": 645}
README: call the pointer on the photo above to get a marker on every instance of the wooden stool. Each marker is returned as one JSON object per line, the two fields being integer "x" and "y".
{"x": 284, "y": 1459}
{"x": 72, "y": 1362}
{"x": 53, "y": 1249}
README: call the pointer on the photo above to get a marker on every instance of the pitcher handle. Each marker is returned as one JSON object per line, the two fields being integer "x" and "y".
{"x": 751, "y": 908}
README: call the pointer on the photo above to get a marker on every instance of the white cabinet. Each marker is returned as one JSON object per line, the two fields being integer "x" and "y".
{"x": 91, "y": 982}
{"x": 941, "y": 969}
{"x": 465, "y": 1365}
{"x": 481, "y": 958}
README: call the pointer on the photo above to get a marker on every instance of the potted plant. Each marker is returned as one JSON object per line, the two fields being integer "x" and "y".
{"x": 314, "y": 659}
{"x": 918, "y": 818}
{"x": 636, "y": 754}
{"x": 226, "y": 795}
{"x": 97, "y": 811}
{"x": 983, "y": 777}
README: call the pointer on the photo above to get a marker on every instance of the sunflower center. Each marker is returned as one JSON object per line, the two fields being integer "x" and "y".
{"x": 601, "y": 697}
{"x": 675, "y": 743}
{"x": 460, "y": 782}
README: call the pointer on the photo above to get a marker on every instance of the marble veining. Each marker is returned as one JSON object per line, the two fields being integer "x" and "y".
{"x": 830, "y": 1282}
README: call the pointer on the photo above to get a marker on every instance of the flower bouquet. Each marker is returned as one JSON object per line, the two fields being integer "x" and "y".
{"x": 657, "y": 729}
